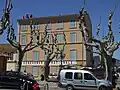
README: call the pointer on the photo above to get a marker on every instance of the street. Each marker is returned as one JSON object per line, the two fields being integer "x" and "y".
{"x": 51, "y": 86}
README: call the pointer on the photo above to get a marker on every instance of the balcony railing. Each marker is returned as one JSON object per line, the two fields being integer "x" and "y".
{"x": 65, "y": 62}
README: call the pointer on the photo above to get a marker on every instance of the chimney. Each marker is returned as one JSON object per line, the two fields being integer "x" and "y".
{"x": 31, "y": 15}
{"x": 23, "y": 17}
{"x": 27, "y": 16}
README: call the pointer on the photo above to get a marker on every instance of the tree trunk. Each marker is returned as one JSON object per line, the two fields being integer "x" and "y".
{"x": 109, "y": 65}
{"x": 106, "y": 68}
{"x": 21, "y": 55}
{"x": 46, "y": 70}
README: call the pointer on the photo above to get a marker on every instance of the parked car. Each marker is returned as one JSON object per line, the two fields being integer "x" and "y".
{"x": 82, "y": 79}
{"x": 52, "y": 76}
{"x": 17, "y": 80}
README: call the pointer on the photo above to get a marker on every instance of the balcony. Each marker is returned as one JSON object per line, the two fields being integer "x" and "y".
{"x": 53, "y": 63}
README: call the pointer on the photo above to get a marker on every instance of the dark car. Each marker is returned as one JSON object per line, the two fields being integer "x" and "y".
{"x": 17, "y": 80}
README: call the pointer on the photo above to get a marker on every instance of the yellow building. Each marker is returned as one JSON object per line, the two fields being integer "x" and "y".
{"x": 75, "y": 51}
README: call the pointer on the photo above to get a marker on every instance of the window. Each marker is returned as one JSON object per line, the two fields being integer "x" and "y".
{"x": 37, "y": 26}
{"x": 35, "y": 56}
{"x": 59, "y": 25}
{"x": 11, "y": 56}
{"x": 35, "y": 70}
{"x": 25, "y": 57}
{"x": 68, "y": 75}
{"x": 23, "y": 69}
{"x": 60, "y": 38}
{"x": 23, "y": 39}
{"x": 48, "y": 39}
{"x": 34, "y": 39}
{"x": 59, "y": 57}
{"x": 23, "y": 28}
{"x": 73, "y": 37}
{"x": 88, "y": 76}
{"x": 73, "y": 54}
{"x": 78, "y": 75}
{"x": 73, "y": 24}
{"x": 48, "y": 25}
{"x": 45, "y": 55}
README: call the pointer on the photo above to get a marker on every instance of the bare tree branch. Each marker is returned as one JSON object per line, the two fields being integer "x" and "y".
{"x": 110, "y": 17}
{"x": 98, "y": 28}
{"x": 32, "y": 32}
{"x": 5, "y": 19}
{"x": 11, "y": 37}
{"x": 38, "y": 43}
{"x": 93, "y": 51}
{"x": 106, "y": 46}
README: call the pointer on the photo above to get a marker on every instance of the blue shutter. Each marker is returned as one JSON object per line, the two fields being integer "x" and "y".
{"x": 73, "y": 55}
{"x": 35, "y": 56}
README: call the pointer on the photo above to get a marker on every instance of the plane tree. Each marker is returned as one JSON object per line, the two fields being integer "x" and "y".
{"x": 11, "y": 38}
{"x": 53, "y": 50}
{"x": 104, "y": 46}
{"x": 5, "y": 19}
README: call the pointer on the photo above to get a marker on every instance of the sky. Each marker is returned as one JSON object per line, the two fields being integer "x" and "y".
{"x": 95, "y": 8}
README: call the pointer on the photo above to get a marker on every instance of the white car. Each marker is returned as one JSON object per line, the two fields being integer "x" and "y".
{"x": 82, "y": 79}
{"x": 52, "y": 76}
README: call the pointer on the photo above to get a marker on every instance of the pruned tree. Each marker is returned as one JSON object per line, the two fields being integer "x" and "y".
{"x": 104, "y": 47}
{"x": 52, "y": 50}
{"x": 5, "y": 19}
{"x": 29, "y": 46}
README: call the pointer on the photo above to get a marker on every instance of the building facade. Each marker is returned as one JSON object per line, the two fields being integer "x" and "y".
{"x": 74, "y": 49}
{"x": 8, "y": 57}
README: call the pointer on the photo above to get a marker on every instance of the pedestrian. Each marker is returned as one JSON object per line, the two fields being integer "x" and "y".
{"x": 42, "y": 77}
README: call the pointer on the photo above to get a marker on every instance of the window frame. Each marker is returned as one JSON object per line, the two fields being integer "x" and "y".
{"x": 71, "y": 77}
{"x": 49, "y": 27}
{"x": 72, "y": 54}
{"x": 35, "y": 73}
{"x": 37, "y": 57}
{"x": 59, "y": 25}
{"x": 75, "y": 37}
{"x": 73, "y": 24}
{"x": 25, "y": 39}
{"x": 60, "y": 38}
{"x": 78, "y": 78}
{"x": 23, "y": 28}
{"x": 34, "y": 39}
{"x": 23, "y": 69}
{"x": 37, "y": 26}
{"x": 93, "y": 78}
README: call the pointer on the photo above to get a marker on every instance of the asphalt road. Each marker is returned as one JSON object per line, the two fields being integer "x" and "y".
{"x": 51, "y": 86}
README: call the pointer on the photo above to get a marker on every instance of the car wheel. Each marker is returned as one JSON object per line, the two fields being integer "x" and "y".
{"x": 69, "y": 87}
{"x": 102, "y": 88}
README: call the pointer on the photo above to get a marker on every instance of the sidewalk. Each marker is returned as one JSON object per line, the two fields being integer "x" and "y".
{"x": 51, "y": 86}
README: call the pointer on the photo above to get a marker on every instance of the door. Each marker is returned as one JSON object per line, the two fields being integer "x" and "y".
{"x": 89, "y": 81}
{"x": 78, "y": 80}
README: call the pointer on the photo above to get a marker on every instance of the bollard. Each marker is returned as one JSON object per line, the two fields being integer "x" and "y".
{"x": 44, "y": 87}
{"x": 47, "y": 86}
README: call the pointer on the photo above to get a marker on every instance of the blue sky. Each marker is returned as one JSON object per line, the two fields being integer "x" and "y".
{"x": 96, "y": 8}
